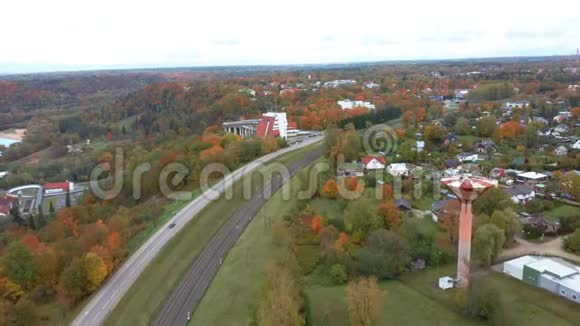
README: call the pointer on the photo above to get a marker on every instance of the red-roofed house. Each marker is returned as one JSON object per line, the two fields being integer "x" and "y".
{"x": 56, "y": 187}
{"x": 6, "y": 204}
{"x": 374, "y": 163}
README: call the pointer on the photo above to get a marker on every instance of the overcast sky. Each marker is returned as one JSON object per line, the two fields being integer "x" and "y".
{"x": 66, "y": 35}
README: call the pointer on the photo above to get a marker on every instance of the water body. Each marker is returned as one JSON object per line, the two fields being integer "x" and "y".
{"x": 8, "y": 142}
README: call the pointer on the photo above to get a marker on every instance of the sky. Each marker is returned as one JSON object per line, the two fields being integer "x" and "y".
{"x": 40, "y": 35}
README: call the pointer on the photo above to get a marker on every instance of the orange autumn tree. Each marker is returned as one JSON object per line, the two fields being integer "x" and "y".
{"x": 341, "y": 242}
{"x": 511, "y": 129}
{"x": 387, "y": 192}
{"x": 390, "y": 214}
{"x": 352, "y": 184}
{"x": 316, "y": 224}
{"x": 330, "y": 189}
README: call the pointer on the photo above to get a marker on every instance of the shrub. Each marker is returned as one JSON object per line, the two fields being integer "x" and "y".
{"x": 338, "y": 272}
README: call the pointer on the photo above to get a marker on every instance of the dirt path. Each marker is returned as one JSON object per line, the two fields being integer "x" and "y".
{"x": 549, "y": 248}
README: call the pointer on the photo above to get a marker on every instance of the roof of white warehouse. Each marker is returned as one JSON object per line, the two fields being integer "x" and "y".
{"x": 532, "y": 175}
{"x": 559, "y": 268}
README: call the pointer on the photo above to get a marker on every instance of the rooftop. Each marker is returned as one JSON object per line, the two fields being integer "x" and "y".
{"x": 532, "y": 175}
{"x": 552, "y": 266}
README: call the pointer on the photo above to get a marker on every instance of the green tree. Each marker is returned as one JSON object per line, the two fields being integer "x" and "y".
{"x": 492, "y": 200}
{"x": 385, "y": 256}
{"x": 486, "y": 126}
{"x": 360, "y": 217}
{"x": 531, "y": 136}
{"x": 73, "y": 280}
{"x": 507, "y": 221}
{"x": 487, "y": 243}
{"x": 352, "y": 147}
{"x": 462, "y": 126}
{"x": 19, "y": 265}
{"x": 572, "y": 242}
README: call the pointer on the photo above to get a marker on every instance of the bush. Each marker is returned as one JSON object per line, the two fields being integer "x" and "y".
{"x": 308, "y": 257}
{"x": 338, "y": 272}
{"x": 533, "y": 231}
{"x": 572, "y": 242}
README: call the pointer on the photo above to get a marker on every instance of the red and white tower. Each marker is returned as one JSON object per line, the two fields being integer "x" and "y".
{"x": 467, "y": 188}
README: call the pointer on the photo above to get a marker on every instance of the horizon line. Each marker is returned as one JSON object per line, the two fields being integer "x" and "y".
{"x": 145, "y": 68}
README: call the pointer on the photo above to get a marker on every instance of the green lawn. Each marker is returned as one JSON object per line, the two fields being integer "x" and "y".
{"x": 470, "y": 138}
{"x": 402, "y": 305}
{"x": 562, "y": 210}
{"x": 528, "y": 305}
{"x": 424, "y": 203}
{"x": 139, "y": 305}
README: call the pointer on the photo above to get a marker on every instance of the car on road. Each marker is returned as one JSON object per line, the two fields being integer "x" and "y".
{"x": 172, "y": 225}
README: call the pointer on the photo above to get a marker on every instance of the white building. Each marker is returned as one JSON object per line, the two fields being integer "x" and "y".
{"x": 349, "y": 105}
{"x": 531, "y": 177}
{"x": 561, "y": 151}
{"x": 338, "y": 83}
{"x": 551, "y": 274}
{"x": 280, "y": 122}
{"x": 467, "y": 157}
{"x": 401, "y": 169}
{"x": 576, "y": 145}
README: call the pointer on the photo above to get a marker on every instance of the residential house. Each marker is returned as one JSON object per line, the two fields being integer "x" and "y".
{"x": 452, "y": 164}
{"x": 401, "y": 169}
{"x": 3, "y": 174}
{"x": 576, "y": 145}
{"x": 403, "y": 205}
{"x": 544, "y": 132}
{"x": 441, "y": 207}
{"x": 520, "y": 193}
{"x": 561, "y": 151}
{"x": 561, "y": 128}
{"x": 542, "y": 223}
{"x": 467, "y": 157}
{"x": 541, "y": 120}
{"x": 374, "y": 163}
{"x": 350, "y": 170}
{"x": 484, "y": 146}
{"x": 498, "y": 174}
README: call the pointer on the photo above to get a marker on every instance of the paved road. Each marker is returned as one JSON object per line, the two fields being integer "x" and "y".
{"x": 106, "y": 298}
{"x": 185, "y": 298}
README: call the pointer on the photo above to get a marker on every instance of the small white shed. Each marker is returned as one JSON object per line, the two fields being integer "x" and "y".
{"x": 445, "y": 282}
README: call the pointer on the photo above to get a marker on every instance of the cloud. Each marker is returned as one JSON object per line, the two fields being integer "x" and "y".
{"x": 68, "y": 33}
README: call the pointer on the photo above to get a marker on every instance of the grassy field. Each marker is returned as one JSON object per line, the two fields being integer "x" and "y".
{"x": 144, "y": 298}
{"x": 528, "y": 305}
{"x": 402, "y": 305}
{"x": 470, "y": 138}
{"x": 562, "y": 210}
{"x": 232, "y": 294}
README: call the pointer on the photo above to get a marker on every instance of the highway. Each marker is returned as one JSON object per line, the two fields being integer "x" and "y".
{"x": 184, "y": 299}
{"x": 102, "y": 303}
